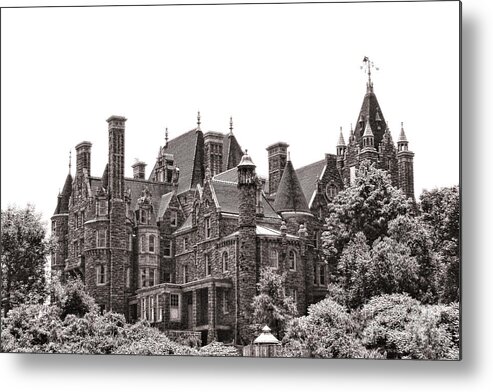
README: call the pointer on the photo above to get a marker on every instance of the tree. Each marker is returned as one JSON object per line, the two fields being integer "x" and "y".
{"x": 400, "y": 327}
{"x": 24, "y": 251}
{"x": 328, "y": 331}
{"x": 367, "y": 206}
{"x": 441, "y": 210}
{"x": 272, "y": 306}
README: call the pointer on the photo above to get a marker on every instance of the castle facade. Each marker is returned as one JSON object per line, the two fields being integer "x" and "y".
{"x": 184, "y": 246}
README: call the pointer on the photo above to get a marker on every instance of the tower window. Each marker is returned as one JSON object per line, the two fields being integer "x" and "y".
{"x": 331, "y": 191}
{"x": 143, "y": 216}
{"x": 101, "y": 274}
{"x": 292, "y": 260}
{"x": 208, "y": 231}
{"x": 101, "y": 238}
{"x": 152, "y": 240}
{"x": 174, "y": 219}
{"x": 101, "y": 207}
{"x": 142, "y": 244}
{"x": 208, "y": 267}
{"x": 167, "y": 248}
{"x": 225, "y": 261}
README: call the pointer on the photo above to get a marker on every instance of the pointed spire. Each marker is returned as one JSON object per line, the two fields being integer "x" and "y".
{"x": 289, "y": 156}
{"x": 341, "y": 142}
{"x": 230, "y": 125}
{"x": 166, "y": 137}
{"x": 198, "y": 119}
{"x": 70, "y": 162}
{"x": 402, "y": 135}
{"x": 368, "y": 131}
{"x": 289, "y": 196}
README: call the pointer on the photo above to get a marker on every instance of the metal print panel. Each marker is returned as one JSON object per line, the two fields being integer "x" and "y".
{"x": 269, "y": 180}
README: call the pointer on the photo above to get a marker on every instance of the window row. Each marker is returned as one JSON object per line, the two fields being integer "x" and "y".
{"x": 292, "y": 259}
{"x": 152, "y": 308}
{"x": 79, "y": 219}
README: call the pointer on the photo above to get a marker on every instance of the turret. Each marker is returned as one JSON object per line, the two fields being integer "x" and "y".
{"x": 368, "y": 152}
{"x": 247, "y": 258}
{"x": 341, "y": 150}
{"x": 139, "y": 168}
{"x": 405, "y": 164}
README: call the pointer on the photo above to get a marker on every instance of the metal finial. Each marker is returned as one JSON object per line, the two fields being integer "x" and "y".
{"x": 198, "y": 119}
{"x": 367, "y": 66}
{"x": 70, "y": 162}
{"x": 231, "y": 124}
{"x": 166, "y": 136}
{"x": 289, "y": 156}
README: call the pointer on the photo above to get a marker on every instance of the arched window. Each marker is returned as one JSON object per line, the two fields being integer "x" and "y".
{"x": 292, "y": 260}
{"x": 331, "y": 190}
{"x": 225, "y": 261}
{"x": 152, "y": 240}
{"x": 143, "y": 216}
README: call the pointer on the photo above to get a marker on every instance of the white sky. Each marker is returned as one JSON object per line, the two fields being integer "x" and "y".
{"x": 284, "y": 72}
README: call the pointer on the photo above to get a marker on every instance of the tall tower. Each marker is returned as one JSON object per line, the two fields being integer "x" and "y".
{"x": 405, "y": 165}
{"x": 247, "y": 260}
{"x": 117, "y": 243}
{"x": 368, "y": 151}
{"x": 277, "y": 154}
{"x": 83, "y": 158}
{"x": 341, "y": 151}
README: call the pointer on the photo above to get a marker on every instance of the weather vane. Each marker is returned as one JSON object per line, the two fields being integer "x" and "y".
{"x": 367, "y": 67}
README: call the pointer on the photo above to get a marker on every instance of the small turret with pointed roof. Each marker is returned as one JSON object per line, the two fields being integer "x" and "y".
{"x": 290, "y": 197}
{"x": 405, "y": 163}
{"x": 402, "y": 143}
{"x": 341, "y": 144}
{"x": 368, "y": 141}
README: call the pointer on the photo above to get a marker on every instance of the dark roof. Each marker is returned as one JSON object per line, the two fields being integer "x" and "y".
{"x": 227, "y": 197}
{"x": 308, "y": 176}
{"x": 370, "y": 108}
{"x": 164, "y": 203}
{"x": 64, "y": 197}
{"x": 289, "y": 196}
{"x": 232, "y": 152}
{"x": 136, "y": 187}
{"x": 230, "y": 175}
{"x": 187, "y": 150}
{"x": 186, "y": 225}
{"x": 104, "y": 179}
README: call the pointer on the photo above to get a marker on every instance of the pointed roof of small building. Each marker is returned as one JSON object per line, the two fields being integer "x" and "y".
{"x": 341, "y": 141}
{"x": 402, "y": 135}
{"x": 289, "y": 196}
{"x": 368, "y": 131}
{"x": 62, "y": 205}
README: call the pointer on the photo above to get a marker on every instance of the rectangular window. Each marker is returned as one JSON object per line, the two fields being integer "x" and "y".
{"x": 143, "y": 280}
{"x": 101, "y": 238}
{"x": 185, "y": 244}
{"x": 292, "y": 260}
{"x": 315, "y": 273}
{"x": 185, "y": 273}
{"x": 152, "y": 240}
{"x": 174, "y": 219}
{"x": 167, "y": 248}
{"x": 101, "y": 207}
{"x": 174, "y": 307}
{"x": 208, "y": 267}
{"x": 151, "y": 307}
{"x": 159, "y": 307}
{"x": 274, "y": 259}
{"x": 208, "y": 231}
{"x": 76, "y": 220}
{"x": 151, "y": 276}
{"x": 101, "y": 274}
{"x": 53, "y": 227}
{"x": 225, "y": 302}
{"x": 322, "y": 275}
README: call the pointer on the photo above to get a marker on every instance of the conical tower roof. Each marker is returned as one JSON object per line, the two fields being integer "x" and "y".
{"x": 368, "y": 131}
{"x": 63, "y": 201}
{"x": 290, "y": 197}
{"x": 402, "y": 135}
{"x": 372, "y": 113}
{"x": 104, "y": 179}
{"x": 341, "y": 142}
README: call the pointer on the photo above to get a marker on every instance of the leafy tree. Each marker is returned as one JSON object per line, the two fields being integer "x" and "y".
{"x": 400, "y": 327}
{"x": 367, "y": 206}
{"x": 24, "y": 251}
{"x": 272, "y": 306}
{"x": 387, "y": 267}
{"x": 218, "y": 349}
{"x": 328, "y": 331}
{"x": 441, "y": 210}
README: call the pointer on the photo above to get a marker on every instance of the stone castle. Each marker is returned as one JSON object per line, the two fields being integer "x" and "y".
{"x": 184, "y": 246}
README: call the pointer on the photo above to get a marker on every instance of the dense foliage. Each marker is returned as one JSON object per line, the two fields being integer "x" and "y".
{"x": 271, "y": 306}
{"x": 392, "y": 326}
{"x": 24, "y": 251}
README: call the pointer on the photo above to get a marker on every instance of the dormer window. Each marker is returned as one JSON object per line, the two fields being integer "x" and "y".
{"x": 173, "y": 219}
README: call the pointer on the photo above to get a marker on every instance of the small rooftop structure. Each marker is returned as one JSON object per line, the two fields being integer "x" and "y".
{"x": 266, "y": 337}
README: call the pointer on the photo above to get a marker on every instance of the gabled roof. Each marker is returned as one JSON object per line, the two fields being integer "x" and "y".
{"x": 186, "y": 225}
{"x": 187, "y": 150}
{"x": 64, "y": 199}
{"x": 227, "y": 195}
{"x": 290, "y": 196}
{"x": 370, "y": 109}
{"x": 308, "y": 176}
